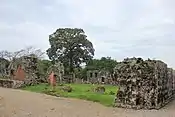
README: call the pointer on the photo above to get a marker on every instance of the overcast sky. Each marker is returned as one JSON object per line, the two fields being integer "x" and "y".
{"x": 117, "y": 28}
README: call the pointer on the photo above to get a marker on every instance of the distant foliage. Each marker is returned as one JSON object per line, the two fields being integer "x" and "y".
{"x": 105, "y": 63}
{"x": 42, "y": 67}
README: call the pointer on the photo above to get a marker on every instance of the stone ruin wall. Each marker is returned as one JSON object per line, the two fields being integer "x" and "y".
{"x": 28, "y": 74}
{"x": 7, "y": 83}
{"x": 144, "y": 84}
{"x": 58, "y": 70}
{"x": 173, "y": 82}
{"x": 3, "y": 67}
{"x": 99, "y": 77}
{"x": 29, "y": 67}
{"x": 16, "y": 77}
{"x": 92, "y": 76}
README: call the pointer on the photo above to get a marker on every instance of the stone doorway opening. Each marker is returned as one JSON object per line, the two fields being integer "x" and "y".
{"x": 102, "y": 79}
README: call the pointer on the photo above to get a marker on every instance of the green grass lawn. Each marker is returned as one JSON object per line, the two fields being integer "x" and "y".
{"x": 81, "y": 91}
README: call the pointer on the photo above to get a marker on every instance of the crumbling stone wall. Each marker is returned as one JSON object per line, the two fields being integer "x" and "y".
{"x": 143, "y": 84}
{"x": 99, "y": 76}
{"x": 170, "y": 82}
{"x": 7, "y": 83}
{"x": 19, "y": 72}
{"x": 3, "y": 67}
{"x": 92, "y": 76}
{"x": 58, "y": 70}
{"x": 69, "y": 78}
{"x": 29, "y": 65}
{"x": 173, "y": 82}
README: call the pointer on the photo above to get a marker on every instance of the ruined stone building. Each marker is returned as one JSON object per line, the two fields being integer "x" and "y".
{"x": 99, "y": 76}
{"x": 58, "y": 70}
{"x": 24, "y": 68}
{"x": 145, "y": 84}
{"x": 20, "y": 71}
{"x": 3, "y": 67}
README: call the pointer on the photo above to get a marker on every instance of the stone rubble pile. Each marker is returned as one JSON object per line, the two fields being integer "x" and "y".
{"x": 7, "y": 83}
{"x": 143, "y": 84}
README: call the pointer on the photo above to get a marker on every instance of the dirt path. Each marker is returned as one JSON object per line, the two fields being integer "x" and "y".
{"x": 17, "y": 103}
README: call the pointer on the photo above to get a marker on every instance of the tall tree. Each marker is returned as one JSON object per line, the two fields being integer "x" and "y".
{"x": 71, "y": 47}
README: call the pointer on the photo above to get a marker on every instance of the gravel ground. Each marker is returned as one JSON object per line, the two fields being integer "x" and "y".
{"x": 17, "y": 103}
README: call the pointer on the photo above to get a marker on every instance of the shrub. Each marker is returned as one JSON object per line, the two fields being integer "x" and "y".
{"x": 111, "y": 93}
{"x": 66, "y": 88}
{"x": 100, "y": 89}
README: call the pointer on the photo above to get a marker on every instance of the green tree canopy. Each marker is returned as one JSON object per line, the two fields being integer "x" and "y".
{"x": 71, "y": 47}
{"x": 105, "y": 63}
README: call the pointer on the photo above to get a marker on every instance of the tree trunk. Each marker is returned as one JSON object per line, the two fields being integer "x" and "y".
{"x": 71, "y": 66}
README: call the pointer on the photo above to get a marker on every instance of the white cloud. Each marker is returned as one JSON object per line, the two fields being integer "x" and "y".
{"x": 117, "y": 28}
{"x": 17, "y": 36}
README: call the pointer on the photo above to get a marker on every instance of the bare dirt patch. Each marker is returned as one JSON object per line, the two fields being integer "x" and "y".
{"x": 17, "y": 103}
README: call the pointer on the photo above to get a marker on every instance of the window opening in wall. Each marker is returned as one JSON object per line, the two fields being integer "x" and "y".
{"x": 91, "y": 75}
{"x": 96, "y": 74}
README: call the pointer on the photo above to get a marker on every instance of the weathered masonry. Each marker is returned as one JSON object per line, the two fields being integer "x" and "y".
{"x": 99, "y": 76}
{"x": 143, "y": 84}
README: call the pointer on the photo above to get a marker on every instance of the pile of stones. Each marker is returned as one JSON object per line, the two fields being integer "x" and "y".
{"x": 145, "y": 84}
{"x": 7, "y": 83}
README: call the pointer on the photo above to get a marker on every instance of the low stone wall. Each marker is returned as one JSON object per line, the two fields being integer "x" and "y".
{"x": 7, "y": 83}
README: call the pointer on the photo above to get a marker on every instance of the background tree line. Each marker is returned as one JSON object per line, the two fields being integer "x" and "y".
{"x": 70, "y": 46}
